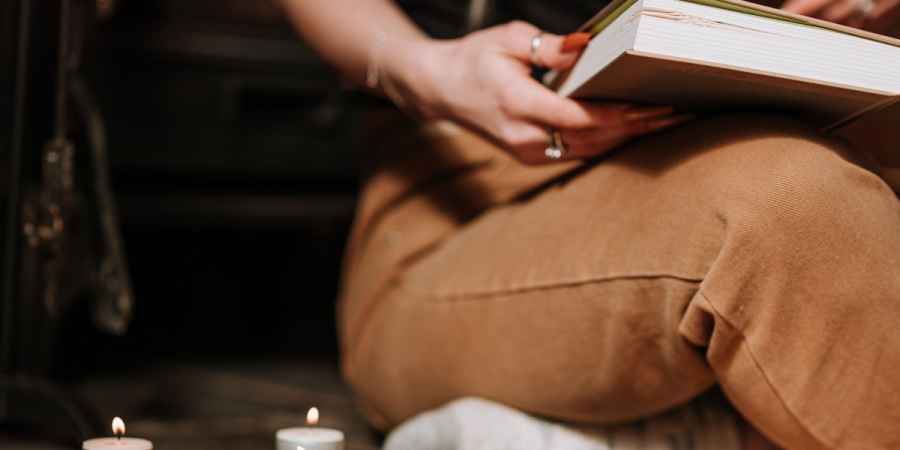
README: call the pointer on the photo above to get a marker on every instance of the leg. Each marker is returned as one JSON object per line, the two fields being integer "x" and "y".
{"x": 804, "y": 297}
{"x": 742, "y": 250}
{"x": 751, "y": 439}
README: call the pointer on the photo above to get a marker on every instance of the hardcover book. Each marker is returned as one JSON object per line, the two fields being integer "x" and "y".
{"x": 719, "y": 55}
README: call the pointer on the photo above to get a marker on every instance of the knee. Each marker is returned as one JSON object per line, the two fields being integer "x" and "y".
{"x": 798, "y": 206}
{"x": 781, "y": 175}
{"x": 809, "y": 235}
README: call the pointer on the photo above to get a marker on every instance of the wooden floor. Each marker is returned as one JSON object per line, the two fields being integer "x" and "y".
{"x": 233, "y": 406}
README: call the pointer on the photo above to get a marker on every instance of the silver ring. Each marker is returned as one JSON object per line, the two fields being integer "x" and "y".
{"x": 865, "y": 7}
{"x": 536, "y": 45}
{"x": 556, "y": 149}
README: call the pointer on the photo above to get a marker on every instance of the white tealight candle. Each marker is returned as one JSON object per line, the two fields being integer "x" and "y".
{"x": 125, "y": 443}
{"x": 118, "y": 442}
{"x": 309, "y": 438}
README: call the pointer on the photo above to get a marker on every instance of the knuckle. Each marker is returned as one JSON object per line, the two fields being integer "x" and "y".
{"x": 518, "y": 140}
{"x": 511, "y": 101}
{"x": 518, "y": 137}
{"x": 517, "y": 28}
{"x": 568, "y": 118}
{"x": 509, "y": 136}
{"x": 516, "y": 32}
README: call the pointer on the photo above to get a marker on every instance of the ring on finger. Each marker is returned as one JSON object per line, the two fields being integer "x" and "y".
{"x": 536, "y": 42}
{"x": 556, "y": 149}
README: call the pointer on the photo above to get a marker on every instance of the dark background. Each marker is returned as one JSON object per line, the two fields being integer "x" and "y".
{"x": 231, "y": 152}
{"x": 232, "y": 160}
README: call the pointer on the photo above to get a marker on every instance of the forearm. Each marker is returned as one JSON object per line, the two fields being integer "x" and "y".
{"x": 481, "y": 81}
{"x": 349, "y": 34}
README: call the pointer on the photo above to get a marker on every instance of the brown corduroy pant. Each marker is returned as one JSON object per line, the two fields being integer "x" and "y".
{"x": 742, "y": 250}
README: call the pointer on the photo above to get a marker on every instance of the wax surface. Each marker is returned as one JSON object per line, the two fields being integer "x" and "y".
{"x": 124, "y": 443}
{"x": 309, "y": 439}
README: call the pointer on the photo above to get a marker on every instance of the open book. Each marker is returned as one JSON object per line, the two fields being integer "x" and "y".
{"x": 717, "y": 55}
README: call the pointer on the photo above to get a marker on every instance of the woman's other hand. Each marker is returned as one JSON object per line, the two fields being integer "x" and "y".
{"x": 483, "y": 82}
{"x": 880, "y": 16}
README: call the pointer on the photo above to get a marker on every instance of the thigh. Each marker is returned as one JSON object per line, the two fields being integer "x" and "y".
{"x": 569, "y": 302}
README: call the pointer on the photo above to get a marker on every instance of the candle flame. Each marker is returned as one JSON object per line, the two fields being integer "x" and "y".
{"x": 118, "y": 426}
{"x": 312, "y": 417}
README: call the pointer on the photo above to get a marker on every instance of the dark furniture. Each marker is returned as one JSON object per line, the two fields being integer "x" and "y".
{"x": 230, "y": 149}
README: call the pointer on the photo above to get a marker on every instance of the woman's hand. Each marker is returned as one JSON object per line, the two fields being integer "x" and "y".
{"x": 880, "y": 16}
{"x": 483, "y": 82}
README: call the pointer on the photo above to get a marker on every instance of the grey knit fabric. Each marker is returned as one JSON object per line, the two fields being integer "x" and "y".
{"x": 477, "y": 424}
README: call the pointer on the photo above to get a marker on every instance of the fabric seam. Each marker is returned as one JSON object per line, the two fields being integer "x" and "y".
{"x": 487, "y": 294}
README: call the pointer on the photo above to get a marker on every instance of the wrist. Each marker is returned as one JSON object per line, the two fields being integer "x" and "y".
{"x": 409, "y": 69}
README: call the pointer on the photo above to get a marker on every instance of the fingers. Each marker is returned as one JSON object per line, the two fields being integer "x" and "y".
{"x": 653, "y": 125}
{"x": 529, "y": 100}
{"x": 528, "y": 142}
{"x": 550, "y": 53}
{"x": 845, "y": 12}
{"x": 555, "y": 52}
{"x": 575, "y": 42}
{"x": 583, "y": 144}
{"x": 850, "y": 12}
{"x": 805, "y": 7}
{"x": 885, "y": 16}
{"x": 522, "y": 139}
{"x": 574, "y": 150}
{"x": 525, "y": 98}
{"x": 527, "y": 109}
{"x": 627, "y": 130}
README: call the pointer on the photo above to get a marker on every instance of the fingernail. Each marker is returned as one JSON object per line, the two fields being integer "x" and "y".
{"x": 666, "y": 122}
{"x": 644, "y": 113}
{"x": 575, "y": 42}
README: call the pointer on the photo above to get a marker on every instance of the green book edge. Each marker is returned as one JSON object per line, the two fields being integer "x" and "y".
{"x": 603, "y": 23}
